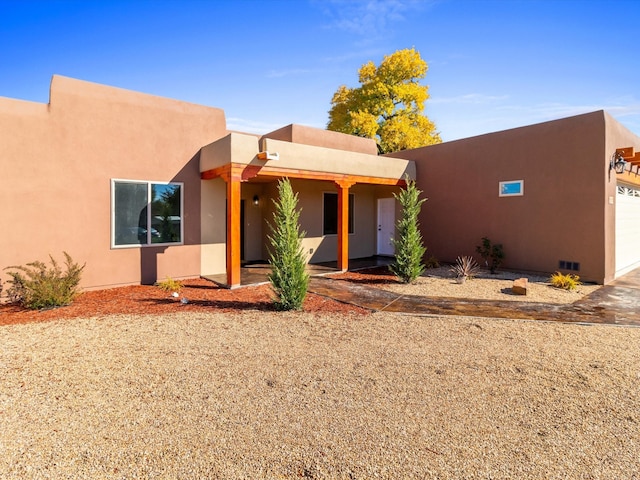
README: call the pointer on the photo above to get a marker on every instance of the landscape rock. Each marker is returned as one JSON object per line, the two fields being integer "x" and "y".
{"x": 520, "y": 286}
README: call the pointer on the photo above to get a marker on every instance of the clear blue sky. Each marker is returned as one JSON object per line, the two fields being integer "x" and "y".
{"x": 493, "y": 65}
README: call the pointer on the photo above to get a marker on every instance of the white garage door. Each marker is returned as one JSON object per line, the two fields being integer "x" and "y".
{"x": 627, "y": 229}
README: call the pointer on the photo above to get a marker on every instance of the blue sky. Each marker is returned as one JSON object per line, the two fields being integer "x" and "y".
{"x": 493, "y": 64}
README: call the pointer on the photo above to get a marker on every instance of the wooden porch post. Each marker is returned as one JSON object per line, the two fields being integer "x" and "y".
{"x": 233, "y": 226}
{"x": 343, "y": 224}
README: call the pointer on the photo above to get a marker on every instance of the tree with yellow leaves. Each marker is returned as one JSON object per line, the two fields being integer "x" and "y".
{"x": 389, "y": 104}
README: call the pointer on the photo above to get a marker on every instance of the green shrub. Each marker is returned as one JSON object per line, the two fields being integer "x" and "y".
{"x": 566, "y": 281}
{"x": 288, "y": 276}
{"x": 491, "y": 254}
{"x": 37, "y": 285}
{"x": 409, "y": 247}
{"x": 169, "y": 285}
{"x": 465, "y": 267}
{"x": 432, "y": 262}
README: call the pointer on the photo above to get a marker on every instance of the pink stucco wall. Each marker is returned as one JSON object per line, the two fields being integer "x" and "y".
{"x": 561, "y": 215}
{"x": 57, "y": 162}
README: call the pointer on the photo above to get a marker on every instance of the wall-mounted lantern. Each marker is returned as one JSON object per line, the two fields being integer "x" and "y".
{"x": 617, "y": 163}
{"x": 256, "y": 200}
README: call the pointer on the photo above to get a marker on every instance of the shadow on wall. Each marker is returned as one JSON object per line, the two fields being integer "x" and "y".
{"x": 165, "y": 225}
{"x": 325, "y": 251}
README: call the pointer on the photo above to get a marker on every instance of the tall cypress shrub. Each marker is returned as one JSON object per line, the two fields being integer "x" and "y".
{"x": 409, "y": 247}
{"x": 288, "y": 276}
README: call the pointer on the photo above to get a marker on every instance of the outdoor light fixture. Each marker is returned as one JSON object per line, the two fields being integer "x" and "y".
{"x": 617, "y": 163}
{"x": 256, "y": 200}
{"x": 268, "y": 155}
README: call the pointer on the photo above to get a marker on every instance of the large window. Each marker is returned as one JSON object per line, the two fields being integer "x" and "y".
{"x": 330, "y": 213}
{"x": 146, "y": 213}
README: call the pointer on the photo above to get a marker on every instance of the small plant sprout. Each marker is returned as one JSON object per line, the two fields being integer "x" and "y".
{"x": 465, "y": 267}
{"x": 432, "y": 262}
{"x": 566, "y": 281}
{"x": 170, "y": 285}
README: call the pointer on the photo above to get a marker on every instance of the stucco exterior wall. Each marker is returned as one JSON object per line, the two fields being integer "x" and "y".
{"x": 57, "y": 162}
{"x": 324, "y": 138}
{"x": 323, "y": 248}
{"x": 561, "y": 215}
{"x": 322, "y": 159}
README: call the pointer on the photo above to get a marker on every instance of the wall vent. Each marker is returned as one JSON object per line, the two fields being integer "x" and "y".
{"x": 566, "y": 265}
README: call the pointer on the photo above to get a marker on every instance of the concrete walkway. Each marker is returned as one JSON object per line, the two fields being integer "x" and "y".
{"x": 616, "y": 304}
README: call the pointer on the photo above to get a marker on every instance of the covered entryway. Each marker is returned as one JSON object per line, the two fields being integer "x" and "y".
{"x": 240, "y": 159}
{"x": 627, "y": 228}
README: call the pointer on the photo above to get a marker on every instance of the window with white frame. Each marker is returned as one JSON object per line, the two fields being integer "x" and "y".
{"x": 330, "y": 213}
{"x": 514, "y": 188}
{"x": 146, "y": 213}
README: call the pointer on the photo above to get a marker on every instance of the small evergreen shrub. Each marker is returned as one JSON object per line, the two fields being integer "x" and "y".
{"x": 409, "y": 247}
{"x": 492, "y": 254}
{"x": 169, "y": 285}
{"x": 566, "y": 281}
{"x": 38, "y": 286}
{"x": 465, "y": 267}
{"x": 288, "y": 277}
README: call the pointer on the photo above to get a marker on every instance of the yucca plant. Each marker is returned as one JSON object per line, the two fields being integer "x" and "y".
{"x": 464, "y": 268}
{"x": 38, "y": 286}
{"x": 566, "y": 281}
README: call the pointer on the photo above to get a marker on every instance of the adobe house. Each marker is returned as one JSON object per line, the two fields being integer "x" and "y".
{"x": 142, "y": 188}
{"x": 548, "y": 192}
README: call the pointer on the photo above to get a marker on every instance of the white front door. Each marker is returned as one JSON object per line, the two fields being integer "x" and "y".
{"x": 386, "y": 225}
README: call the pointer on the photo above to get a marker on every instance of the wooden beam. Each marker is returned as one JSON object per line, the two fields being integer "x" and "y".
{"x": 215, "y": 172}
{"x": 343, "y": 224}
{"x": 248, "y": 172}
{"x": 635, "y": 160}
{"x": 233, "y": 230}
{"x": 626, "y": 152}
{"x": 268, "y": 171}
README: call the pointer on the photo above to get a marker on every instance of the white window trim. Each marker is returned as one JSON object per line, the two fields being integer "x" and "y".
{"x": 354, "y": 215}
{"x": 149, "y": 183}
{"x": 502, "y": 184}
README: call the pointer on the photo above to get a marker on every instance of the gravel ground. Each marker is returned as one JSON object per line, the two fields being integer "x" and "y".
{"x": 302, "y": 395}
{"x": 440, "y": 282}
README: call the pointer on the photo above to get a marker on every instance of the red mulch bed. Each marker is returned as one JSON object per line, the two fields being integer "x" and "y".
{"x": 203, "y": 296}
{"x": 370, "y": 276}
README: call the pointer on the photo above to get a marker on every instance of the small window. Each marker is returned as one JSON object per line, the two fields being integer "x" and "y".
{"x": 511, "y": 189}
{"x": 146, "y": 213}
{"x": 330, "y": 213}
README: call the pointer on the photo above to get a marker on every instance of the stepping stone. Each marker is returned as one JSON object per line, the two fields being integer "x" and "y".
{"x": 520, "y": 286}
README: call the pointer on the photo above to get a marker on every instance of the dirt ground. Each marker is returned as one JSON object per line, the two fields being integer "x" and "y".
{"x": 132, "y": 383}
{"x": 264, "y": 394}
